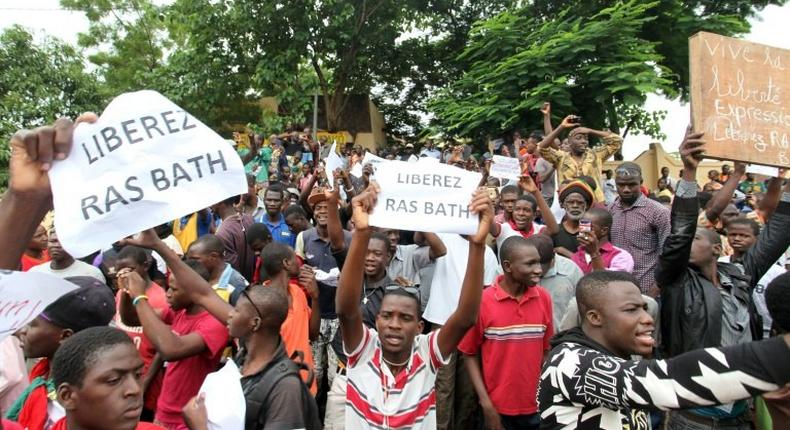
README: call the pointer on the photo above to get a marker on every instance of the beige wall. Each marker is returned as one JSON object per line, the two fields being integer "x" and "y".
{"x": 652, "y": 160}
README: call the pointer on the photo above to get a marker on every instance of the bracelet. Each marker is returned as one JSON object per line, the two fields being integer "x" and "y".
{"x": 592, "y": 257}
{"x": 137, "y": 299}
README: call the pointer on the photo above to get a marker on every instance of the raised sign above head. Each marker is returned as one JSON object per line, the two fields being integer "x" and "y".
{"x": 739, "y": 98}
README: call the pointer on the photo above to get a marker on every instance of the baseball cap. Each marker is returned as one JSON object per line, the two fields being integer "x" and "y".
{"x": 90, "y": 305}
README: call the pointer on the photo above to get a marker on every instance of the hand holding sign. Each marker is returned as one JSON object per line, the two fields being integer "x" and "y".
{"x": 483, "y": 206}
{"x": 362, "y": 206}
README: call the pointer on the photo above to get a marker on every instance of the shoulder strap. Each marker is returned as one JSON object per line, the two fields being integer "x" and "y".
{"x": 258, "y": 395}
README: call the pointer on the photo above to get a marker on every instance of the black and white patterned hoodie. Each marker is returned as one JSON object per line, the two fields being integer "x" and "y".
{"x": 584, "y": 386}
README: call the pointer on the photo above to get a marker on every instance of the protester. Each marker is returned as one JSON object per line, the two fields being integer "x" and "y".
{"x": 250, "y": 203}
{"x": 689, "y": 274}
{"x": 777, "y": 403}
{"x": 617, "y": 392}
{"x": 90, "y": 305}
{"x": 208, "y": 250}
{"x": 379, "y": 359}
{"x": 575, "y": 197}
{"x": 507, "y": 200}
{"x": 62, "y": 264}
{"x": 257, "y": 237}
{"x": 639, "y": 225}
{"x": 274, "y": 218}
{"x": 595, "y": 251}
{"x": 560, "y": 276}
{"x": 185, "y": 335}
{"x": 750, "y": 186}
{"x": 296, "y": 219}
{"x": 231, "y": 233}
{"x": 713, "y": 184}
{"x": 524, "y": 213}
{"x": 96, "y": 374}
{"x": 671, "y": 183}
{"x": 406, "y": 261}
{"x": 36, "y": 252}
{"x": 581, "y": 160}
{"x": 505, "y": 348}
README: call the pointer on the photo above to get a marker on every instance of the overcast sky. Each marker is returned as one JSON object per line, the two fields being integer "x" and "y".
{"x": 770, "y": 27}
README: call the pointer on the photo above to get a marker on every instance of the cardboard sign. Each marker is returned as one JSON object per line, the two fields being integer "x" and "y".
{"x": 425, "y": 197}
{"x": 23, "y": 295}
{"x": 144, "y": 162}
{"x": 739, "y": 98}
{"x": 505, "y": 168}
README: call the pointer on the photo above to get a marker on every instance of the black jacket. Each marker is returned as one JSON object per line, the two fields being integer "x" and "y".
{"x": 691, "y": 305}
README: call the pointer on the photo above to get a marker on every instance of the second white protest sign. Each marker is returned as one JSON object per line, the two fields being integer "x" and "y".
{"x": 144, "y": 162}
{"x": 505, "y": 168}
{"x": 425, "y": 197}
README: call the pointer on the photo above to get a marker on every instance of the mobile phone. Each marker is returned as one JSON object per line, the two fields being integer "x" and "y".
{"x": 576, "y": 119}
{"x": 585, "y": 226}
{"x": 492, "y": 191}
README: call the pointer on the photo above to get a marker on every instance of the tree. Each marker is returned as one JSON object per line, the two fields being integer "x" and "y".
{"x": 40, "y": 83}
{"x": 597, "y": 58}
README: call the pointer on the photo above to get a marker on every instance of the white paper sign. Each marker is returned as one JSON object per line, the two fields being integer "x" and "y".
{"x": 225, "y": 405}
{"x": 369, "y": 158}
{"x": 332, "y": 162}
{"x": 425, "y": 197}
{"x": 23, "y": 295}
{"x": 144, "y": 162}
{"x": 762, "y": 170}
{"x": 505, "y": 167}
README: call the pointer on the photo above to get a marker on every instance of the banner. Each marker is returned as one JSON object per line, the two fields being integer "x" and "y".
{"x": 23, "y": 295}
{"x": 425, "y": 197}
{"x": 144, "y": 162}
{"x": 369, "y": 158}
{"x": 738, "y": 99}
{"x": 505, "y": 168}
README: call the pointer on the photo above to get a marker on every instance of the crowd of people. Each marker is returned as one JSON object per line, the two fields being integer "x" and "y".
{"x": 585, "y": 299}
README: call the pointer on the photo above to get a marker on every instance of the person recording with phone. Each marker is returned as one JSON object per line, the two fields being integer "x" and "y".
{"x": 580, "y": 160}
{"x": 595, "y": 252}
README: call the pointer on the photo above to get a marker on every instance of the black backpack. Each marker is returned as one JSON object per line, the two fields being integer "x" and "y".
{"x": 281, "y": 367}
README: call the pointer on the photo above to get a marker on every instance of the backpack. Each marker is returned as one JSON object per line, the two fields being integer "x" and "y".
{"x": 282, "y": 367}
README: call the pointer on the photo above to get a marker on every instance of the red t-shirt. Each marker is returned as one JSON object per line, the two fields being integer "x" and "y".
{"x": 511, "y": 337}
{"x": 27, "y": 261}
{"x": 158, "y": 300}
{"x": 184, "y": 377}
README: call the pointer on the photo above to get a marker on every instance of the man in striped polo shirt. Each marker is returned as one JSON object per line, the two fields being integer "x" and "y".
{"x": 392, "y": 370}
{"x": 504, "y": 350}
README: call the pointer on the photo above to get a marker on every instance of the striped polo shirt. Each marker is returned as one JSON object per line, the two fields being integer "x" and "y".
{"x": 511, "y": 336}
{"x": 376, "y": 399}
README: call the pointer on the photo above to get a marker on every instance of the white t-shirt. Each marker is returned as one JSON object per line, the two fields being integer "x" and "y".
{"x": 506, "y": 231}
{"x": 449, "y": 275}
{"x": 77, "y": 269}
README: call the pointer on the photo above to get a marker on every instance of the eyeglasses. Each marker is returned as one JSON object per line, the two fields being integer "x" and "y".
{"x": 410, "y": 290}
{"x": 247, "y": 296}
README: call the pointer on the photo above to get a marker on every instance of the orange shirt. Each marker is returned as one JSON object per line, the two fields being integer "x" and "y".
{"x": 295, "y": 331}
{"x": 27, "y": 261}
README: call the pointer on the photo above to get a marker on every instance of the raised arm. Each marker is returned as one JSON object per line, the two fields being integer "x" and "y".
{"x": 349, "y": 286}
{"x": 337, "y": 241}
{"x": 254, "y": 148}
{"x": 170, "y": 345}
{"x": 685, "y": 209}
{"x": 546, "y": 111}
{"x": 771, "y": 199}
{"x": 548, "y": 140}
{"x": 723, "y": 197}
{"x": 465, "y": 315}
{"x": 527, "y": 184}
{"x": 754, "y": 368}
{"x": 29, "y": 196}
{"x": 774, "y": 239}
{"x": 436, "y": 247}
{"x": 198, "y": 290}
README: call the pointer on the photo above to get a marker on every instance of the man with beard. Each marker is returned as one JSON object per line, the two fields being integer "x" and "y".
{"x": 590, "y": 382}
{"x": 639, "y": 225}
{"x": 581, "y": 160}
{"x": 575, "y": 197}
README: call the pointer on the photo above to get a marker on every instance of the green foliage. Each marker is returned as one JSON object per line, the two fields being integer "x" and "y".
{"x": 40, "y": 82}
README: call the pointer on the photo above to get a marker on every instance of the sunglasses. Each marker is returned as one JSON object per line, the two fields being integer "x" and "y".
{"x": 247, "y": 296}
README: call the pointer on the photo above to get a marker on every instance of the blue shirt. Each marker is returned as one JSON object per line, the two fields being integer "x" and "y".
{"x": 279, "y": 230}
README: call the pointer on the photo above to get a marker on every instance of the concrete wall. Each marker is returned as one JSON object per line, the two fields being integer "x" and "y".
{"x": 652, "y": 160}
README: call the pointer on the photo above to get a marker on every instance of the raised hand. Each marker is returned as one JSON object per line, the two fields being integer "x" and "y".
{"x": 307, "y": 280}
{"x": 546, "y": 108}
{"x": 145, "y": 239}
{"x": 570, "y": 121}
{"x": 692, "y": 149}
{"x": 527, "y": 184}
{"x": 481, "y": 204}
{"x": 363, "y": 204}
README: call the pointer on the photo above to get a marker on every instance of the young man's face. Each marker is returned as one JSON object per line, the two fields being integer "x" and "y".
{"x": 240, "y": 319}
{"x": 209, "y": 260}
{"x": 730, "y": 212}
{"x": 257, "y": 246}
{"x": 628, "y": 188}
{"x": 398, "y": 323}
{"x": 394, "y": 238}
{"x": 523, "y": 214}
{"x": 377, "y": 257}
{"x": 273, "y": 201}
{"x": 39, "y": 240}
{"x": 176, "y": 297}
{"x": 129, "y": 263}
{"x": 703, "y": 250}
{"x": 296, "y": 223}
{"x": 111, "y": 394}
{"x": 508, "y": 201}
{"x": 627, "y": 326}
{"x": 664, "y": 171}
{"x": 320, "y": 213}
{"x": 579, "y": 143}
{"x": 741, "y": 237}
{"x": 574, "y": 206}
{"x": 41, "y": 338}
{"x": 55, "y": 250}
{"x": 524, "y": 266}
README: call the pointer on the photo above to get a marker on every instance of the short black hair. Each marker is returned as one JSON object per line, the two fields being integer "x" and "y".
{"x": 257, "y": 231}
{"x": 400, "y": 292}
{"x": 510, "y": 189}
{"x": 592, "y": 287}
{"x": 294, "y": 210}
{"x": 272, "y": 257}
{"x": 209, "y": 243}
{"x": 710, "y": 235}
{"x": 276, "y": 188}
{"x": 198, "y": 268}
{"x": 544, "y": 245}
{"x": 272, "y": 302}
{"x": 704, "y": 197}
{"x": 529, "y": 199}
{"x": 230, "y": 201}
{"x": 135, "y": 253}
{"x": 629, "y": 168}
{"x": 602, "y": 215}
{"x": 510, "y": 245}
{"x": 742, "y": 220}
{"x": 82, "y": 350}
{"x": 777, "y": 300}
{"x": 377, "y": 235}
